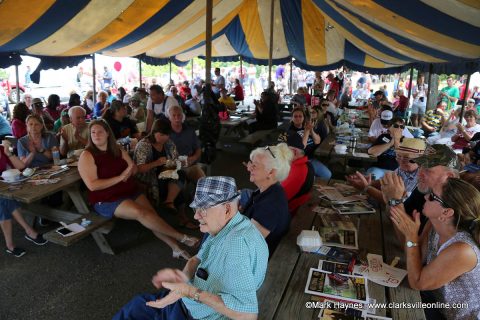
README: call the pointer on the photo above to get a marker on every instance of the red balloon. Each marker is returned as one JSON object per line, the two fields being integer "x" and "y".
{"x": 117, "y": 66}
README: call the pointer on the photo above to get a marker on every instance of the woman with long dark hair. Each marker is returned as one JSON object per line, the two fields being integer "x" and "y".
{"x": 108, "y": 171}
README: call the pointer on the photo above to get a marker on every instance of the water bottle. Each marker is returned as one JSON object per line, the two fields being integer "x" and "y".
{"x": 56, "y": 156}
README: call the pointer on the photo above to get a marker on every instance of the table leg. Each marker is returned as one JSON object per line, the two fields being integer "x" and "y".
{"x": 77, "y": 199}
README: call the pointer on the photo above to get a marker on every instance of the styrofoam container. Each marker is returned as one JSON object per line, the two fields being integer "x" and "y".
{"x": 341, "y": 149}
{"x": 11, "y": 175}
{"x": 309, "y": 240}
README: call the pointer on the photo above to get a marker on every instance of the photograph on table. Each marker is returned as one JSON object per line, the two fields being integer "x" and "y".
{"x": 354, "y": 208}
{"x": 343, "y": 287}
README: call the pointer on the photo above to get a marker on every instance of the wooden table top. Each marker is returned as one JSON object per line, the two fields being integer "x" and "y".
{"x": 282, "y": 293}
{"x": 29, "y": 193}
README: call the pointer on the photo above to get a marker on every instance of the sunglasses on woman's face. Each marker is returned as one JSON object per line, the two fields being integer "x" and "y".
{"x": 433, "y": 197}
{"x": 396, "y": 126}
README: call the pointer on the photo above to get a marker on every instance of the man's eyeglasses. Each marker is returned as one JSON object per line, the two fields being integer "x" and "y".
{"x": 325, "y": 104}
{"x": 433, "y": 197}
{"x": 396, "y": 126}
{"x": 203, "y": 211}
{"x": 268, "y": 148}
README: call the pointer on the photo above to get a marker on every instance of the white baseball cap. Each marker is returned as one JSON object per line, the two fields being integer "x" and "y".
{"x": 386, "y": 115}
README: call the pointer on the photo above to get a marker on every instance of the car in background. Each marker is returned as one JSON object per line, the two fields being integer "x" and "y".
{"x": 11, "y": 90}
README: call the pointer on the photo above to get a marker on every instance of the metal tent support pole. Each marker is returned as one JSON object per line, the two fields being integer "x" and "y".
{"x": 208, "y": 42}
{"x": 94, "y": 75}
{"x": 410, "y": 85}
{"x": 18, "y": 84}
{"x": 270, "y": 49}
{"x": 465, "y": 94}
{"x": 290, "y": 89}
{"x": 170, "y": 70}
{"x": 430, "y": 71}
{"x": 140, "y": 72}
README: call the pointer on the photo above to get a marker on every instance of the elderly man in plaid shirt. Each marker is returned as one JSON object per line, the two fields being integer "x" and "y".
{"x": 221, "y": 281}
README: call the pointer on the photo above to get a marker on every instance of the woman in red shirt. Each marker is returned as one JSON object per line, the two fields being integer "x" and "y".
{"x": 108, "y": 171}
{"x": 20, "y": 114}
{"x": 238, "y": 91}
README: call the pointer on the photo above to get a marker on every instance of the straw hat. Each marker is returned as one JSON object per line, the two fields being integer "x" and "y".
{"x": 412, "y": 146}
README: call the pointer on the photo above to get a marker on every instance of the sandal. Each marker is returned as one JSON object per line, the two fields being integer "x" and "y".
{"x": 189, "y": 241}
{"x": 181, "y": 254}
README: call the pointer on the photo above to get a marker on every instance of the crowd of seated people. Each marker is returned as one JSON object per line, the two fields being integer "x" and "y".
{"x": 283, "y": 175}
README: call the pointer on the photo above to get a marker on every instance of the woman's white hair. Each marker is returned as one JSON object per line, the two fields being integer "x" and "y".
{"x": 281, "y": 161}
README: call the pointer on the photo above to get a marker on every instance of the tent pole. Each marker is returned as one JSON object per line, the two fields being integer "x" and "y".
{"x": 208, "y": 42}
{"x": 291, "y": 75}
{"x": 18, "y": 84}
{"x": 170, "y": 69}
{"x": 270, "y": 49}
{"x": 465, "y": 93}
{"x": 192, "y": 71}
{"x": 410, "y": 85}
{"x": 94, "y": 75}
{"x": 140, "y": 72}
{"x": 430, "y": 71}
{"x": 241, "y": 70}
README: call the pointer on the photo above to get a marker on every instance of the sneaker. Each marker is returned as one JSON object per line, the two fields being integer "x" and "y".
{"x": 17, "y": 252}
{"x": 39, "y": 240}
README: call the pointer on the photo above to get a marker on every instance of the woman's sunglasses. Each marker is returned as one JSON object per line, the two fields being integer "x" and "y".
{"x": 396, "y": 126}
{"x": 433, "y": 197}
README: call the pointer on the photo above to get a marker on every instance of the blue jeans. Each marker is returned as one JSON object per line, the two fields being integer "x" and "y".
{"x": 321, "y": 170}
{"x": 137, "y": 309}
{"x": 377, "y": 172}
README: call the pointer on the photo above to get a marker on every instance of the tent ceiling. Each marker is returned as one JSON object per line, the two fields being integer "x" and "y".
{"x": 318, "y": 34}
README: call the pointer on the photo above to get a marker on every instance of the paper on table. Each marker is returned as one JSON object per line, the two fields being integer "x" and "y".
{"x": 335, "y": 196}
{"x": 361, "y": 155}
{"x": 382, "y": 273}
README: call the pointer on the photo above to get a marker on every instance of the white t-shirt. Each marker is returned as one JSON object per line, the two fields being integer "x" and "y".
{"x": 220, "y": 80}
{"x": 158, "y": 107}
{"x": 376, "y": 129}
{"x": 422, "y": 92}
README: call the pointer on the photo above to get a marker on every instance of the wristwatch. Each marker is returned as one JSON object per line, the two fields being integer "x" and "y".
{"x": 411, "y": 244}
{"x": 41, "y": 150}
{"x": 396, "y": 202}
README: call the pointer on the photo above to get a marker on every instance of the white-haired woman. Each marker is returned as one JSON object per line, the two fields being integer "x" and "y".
{"x": 267, "y": 206}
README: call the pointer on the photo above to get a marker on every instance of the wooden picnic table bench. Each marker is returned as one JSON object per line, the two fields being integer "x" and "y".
{"x": 30, "y": 196}
{"x": 282, "y": 293}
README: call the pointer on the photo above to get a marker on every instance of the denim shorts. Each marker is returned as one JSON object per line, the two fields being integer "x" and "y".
{"x": 107, "y": 209}
{"x": 7, "y": 207}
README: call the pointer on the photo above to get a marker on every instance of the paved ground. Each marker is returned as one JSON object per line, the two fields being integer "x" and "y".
{"x": 79, "y": 282}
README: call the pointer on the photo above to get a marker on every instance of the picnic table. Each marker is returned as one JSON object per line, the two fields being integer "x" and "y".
{"x": 30, "y": 195}
{"x": 282, "y": 293}
{"x": 236, "y": 123}
{"x": 327, "y": 150}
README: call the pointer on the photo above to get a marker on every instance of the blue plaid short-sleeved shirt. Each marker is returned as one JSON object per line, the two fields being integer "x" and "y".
{"x": 236, "y": 261}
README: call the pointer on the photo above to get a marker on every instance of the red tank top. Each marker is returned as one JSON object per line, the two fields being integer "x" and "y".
{"x": 109, "y": 167}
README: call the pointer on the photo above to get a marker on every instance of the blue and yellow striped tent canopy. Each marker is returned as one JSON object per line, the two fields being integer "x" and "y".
{"x": 319, "y": 34}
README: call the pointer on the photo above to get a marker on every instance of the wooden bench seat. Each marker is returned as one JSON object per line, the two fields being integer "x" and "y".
{"x": 97, "y": 228}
